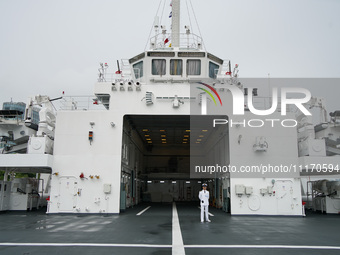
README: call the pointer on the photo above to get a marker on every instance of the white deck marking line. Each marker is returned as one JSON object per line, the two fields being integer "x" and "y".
{"x": 143, "y": 210}
{"x": 208, "y": 212}
{"x": 177, "y": 240}
{"x": 89, "y": 245}
{"x": 310, "y": 247}
{"x": 307, "y": 247}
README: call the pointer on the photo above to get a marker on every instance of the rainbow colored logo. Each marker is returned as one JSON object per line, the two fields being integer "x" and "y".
{"x": 209, "y": 93}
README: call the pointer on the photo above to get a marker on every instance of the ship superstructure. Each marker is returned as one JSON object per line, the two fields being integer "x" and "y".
{"x": 169, "y": 124}
{"x": 26, "y": 148}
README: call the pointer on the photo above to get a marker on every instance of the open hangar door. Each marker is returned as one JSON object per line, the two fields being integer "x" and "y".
{"x": 156, "y": 158}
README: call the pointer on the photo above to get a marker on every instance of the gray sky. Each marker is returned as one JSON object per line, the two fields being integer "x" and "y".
{"x": 47, "y": 46}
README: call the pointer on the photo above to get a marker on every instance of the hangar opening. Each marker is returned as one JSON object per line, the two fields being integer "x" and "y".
{"x": 158, "y": 157}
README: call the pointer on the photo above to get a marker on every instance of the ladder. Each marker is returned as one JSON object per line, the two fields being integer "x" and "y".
{"x": 126, "y": 69}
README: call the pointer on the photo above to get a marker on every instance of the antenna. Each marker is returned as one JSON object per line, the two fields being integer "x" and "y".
{"x": 156, "y": 27}
{"x": 118, "y": 66}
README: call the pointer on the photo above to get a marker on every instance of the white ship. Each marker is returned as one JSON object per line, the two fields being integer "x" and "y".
{"x": 169, "y": 116}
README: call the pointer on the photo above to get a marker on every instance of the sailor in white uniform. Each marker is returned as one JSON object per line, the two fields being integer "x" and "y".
{"x": 204, "y": 198}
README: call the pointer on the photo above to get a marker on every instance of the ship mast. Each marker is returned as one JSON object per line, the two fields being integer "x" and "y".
{"x": 175, "y": 30}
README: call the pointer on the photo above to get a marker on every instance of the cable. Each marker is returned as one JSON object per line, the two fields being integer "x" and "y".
{"x": 152, "y": 26}
{"x": 53, "y": 106}
{"x": 163, "y": 12}
{"x": 192, "y": 28}
{"x": 199, "y": 30}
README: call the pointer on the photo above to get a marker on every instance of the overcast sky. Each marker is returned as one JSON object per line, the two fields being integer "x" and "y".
{"x": 47, "y": 46}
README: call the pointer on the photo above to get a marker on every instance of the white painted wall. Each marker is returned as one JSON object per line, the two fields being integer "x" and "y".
{"x": 282, "y": 150}
{"x": 286, "y": 200}
{"x": 74, "y": 154}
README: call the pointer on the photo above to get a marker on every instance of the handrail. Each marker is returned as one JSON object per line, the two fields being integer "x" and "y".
{"x": 189, "y": 41}
{"x": 79, "y": 103}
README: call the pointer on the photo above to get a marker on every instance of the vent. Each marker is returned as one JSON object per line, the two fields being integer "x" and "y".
{"x": 148, "y": 98}
{"x": 191, "y": 54}
{"x": 161, "y": 54}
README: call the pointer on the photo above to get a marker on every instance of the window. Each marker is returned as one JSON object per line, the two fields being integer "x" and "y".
{"x": 213, "y": 70}
{"x": 194, "y": 67}
{"x": 138, "y": 69}
{"x": 176, "y": 66}
{"x": 158, "y": 67}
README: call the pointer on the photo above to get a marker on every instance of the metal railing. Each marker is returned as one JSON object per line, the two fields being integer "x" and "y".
{"x": 113, "y": 77}
{"x": 78, "y": 103}
{"x": 14, "y": 117}
{"x": 187, "y": 41}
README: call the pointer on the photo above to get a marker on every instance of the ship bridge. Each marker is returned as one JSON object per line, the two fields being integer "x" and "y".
{"x": 172, "y": 58}
{"x": 164, "y": 65}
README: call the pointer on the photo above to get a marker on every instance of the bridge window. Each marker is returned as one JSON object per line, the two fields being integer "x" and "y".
{"x": 213, "y": 70}
{"x": 138, "y": 69}
{"x": 158, "y": 67}
{"x": 193, "y": 67}
{"x": 176, "y": 67}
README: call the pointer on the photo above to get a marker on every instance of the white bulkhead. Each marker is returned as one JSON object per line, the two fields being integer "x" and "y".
{"x": 93, "y": 153}
{"x": 138, "y": 148}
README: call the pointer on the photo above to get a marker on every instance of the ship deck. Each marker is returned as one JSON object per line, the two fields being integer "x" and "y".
{"x": 167, "y": 229}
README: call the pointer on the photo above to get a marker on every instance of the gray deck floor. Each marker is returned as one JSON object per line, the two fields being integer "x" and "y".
{"x": 152, "y": 233}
